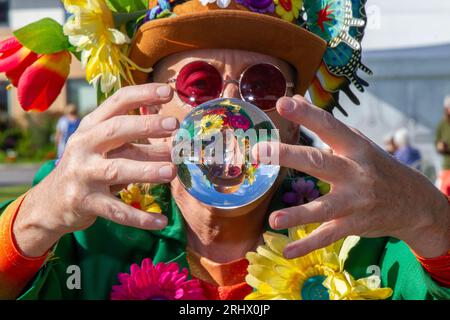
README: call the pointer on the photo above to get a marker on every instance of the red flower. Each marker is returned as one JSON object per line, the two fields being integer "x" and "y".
{"x": 161, "y": 282}
{"x": 38, "y": 78}
{"x": 240, "y": 122}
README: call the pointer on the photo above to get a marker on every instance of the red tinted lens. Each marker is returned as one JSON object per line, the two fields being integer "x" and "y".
{"x": 198, "y": 82}
{"x": 263, "y": 85}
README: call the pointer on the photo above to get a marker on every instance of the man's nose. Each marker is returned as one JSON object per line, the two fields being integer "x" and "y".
{"x": 231, "y": 89}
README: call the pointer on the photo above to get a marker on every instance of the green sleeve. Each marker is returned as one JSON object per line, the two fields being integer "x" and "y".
{"x": 43, "y": 171}
{"x": 35, "y": 287}
{"x": 403, "y": 273}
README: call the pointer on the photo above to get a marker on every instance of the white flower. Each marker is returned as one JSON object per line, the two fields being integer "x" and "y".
{"x": 220, "y": 3}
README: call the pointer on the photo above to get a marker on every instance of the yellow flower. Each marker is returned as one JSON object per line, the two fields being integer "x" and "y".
{"x": 134, "y": 197}
{"x": 91, "y": 30}
{"x": 324, "y": 187}
{"x": 210, "y": 124}
{"x": 250, "y": 174}
{"x": 319, "y": 275}
{"x": 288, "y": 9}
{"x": 235, "y": 107}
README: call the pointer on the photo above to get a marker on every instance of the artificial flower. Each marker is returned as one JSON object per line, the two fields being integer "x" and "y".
{"x": 161, "y": 282}
{"x": 219, "y": 111}
{"x": 261, "y": 6}
{"x": 220, "y": 3}
{"x": 288, "y": 9}
{"x": 319, "y": 275}
{"x": 235, "y": 108}
{"x": 134, "y": 197}
{"x": 239, "y": 121}
{"x": 39, "y": 78}
{"x": 161, "y": 10}
{"x": 91, "y": 30}
{"x": 210, "y": 124}
{"x": 303, "y": 191}
{"x": 324, "y": 187}
{"x": 250, "y": 174}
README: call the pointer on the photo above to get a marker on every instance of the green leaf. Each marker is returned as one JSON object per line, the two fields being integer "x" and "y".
{"x": 45, "y": 36}
{"x": 127, "y": 6}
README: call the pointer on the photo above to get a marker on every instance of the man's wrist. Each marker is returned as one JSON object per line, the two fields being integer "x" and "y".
{"x": 432, "y": 239}
{"x": 32, "y": 231}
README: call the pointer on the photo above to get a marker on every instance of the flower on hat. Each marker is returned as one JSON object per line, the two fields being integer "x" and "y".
{"x": 161, "y": 10}
{"x": 161, "y": 282}
{"x": 91, "y": 30}
{"x": 210, "y": 124}
{"x": 39, "y": 78}
{"x": 288, "y": 9}
{"x": 261, "y": 6}
{"x": 220, "y": 3}
{"x": 134, "y": 197}
{"x": 239, "y": 121}
{"x": 250, "y": 173}
{"x": 319, "y": 275}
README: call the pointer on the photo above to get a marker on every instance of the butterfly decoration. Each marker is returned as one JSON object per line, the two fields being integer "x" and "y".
{"x": 341, "y": 24}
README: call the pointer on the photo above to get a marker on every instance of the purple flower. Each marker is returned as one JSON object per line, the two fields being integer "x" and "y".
{"x": 291, "y": 198}
{"x": 261, "y": 6}
{"x": 303, "y": 191}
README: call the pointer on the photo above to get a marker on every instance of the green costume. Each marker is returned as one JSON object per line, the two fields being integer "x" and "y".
{"x": 106, "y": 249}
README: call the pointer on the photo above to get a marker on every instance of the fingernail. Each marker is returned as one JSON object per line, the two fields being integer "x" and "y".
{"x": 287, "y": 253}
{"x": 163, "y": 91}
{"x": 287, "y": 105}
{"x": 165, "y": 172}
{"x": 281, "y": 221}
{"x": 160, "y": 223}
{"x": 169, "y": 123}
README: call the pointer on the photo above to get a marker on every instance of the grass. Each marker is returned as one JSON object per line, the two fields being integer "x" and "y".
{"x": 12, "y": 192}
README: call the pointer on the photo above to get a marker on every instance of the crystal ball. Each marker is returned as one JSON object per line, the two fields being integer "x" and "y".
{"x": 213, "y": 153}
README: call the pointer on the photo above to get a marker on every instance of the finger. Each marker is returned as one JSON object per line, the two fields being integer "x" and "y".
{"x": 332, "y": 131}
{"x": 141, "y": 152}
{"x": 323, "y": 209}
{"x": 125, "y": 171}
{"x": 116, "y": 188}
{"x": 129, "y": 98}
{"x": 318, "y": 163}
{"x": 323, "y": 236}
{"x": 119, "y": 130}
{"x": 115, "y": 210}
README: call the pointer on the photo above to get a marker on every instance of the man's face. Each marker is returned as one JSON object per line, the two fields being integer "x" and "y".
{"x": 230, "y": 63}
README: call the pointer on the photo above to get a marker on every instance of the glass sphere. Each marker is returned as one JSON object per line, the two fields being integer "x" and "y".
{"x": 213, "y": 153}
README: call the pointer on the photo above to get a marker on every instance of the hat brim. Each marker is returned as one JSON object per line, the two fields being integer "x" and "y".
{"x": 229, "y": 29}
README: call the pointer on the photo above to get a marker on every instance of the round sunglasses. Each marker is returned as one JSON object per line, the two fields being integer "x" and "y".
{"x": 261, "y": 84}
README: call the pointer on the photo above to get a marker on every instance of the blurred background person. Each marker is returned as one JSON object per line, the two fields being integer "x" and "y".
{"x": 404, "y": 151}
{"x": 442, "y": 146}
{"x": 65, "y": 127}
{"x": 389, "y": 144}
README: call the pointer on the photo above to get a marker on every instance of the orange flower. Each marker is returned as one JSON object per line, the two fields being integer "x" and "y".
{"x": 38, "y": 78}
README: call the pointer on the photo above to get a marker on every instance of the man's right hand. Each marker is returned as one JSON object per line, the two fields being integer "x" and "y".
{"x": 99, "y": 156}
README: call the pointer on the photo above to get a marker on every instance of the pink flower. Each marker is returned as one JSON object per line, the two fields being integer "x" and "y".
{"x": 239, "y": 122}
{"x": 303, "y": 191}
{"x": 161, "y": 282}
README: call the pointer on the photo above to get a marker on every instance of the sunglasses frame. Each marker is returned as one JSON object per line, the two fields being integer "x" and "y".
{"x": 234, "y": 81}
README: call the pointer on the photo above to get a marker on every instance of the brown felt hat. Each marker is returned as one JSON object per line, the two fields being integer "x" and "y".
{"x": 195, "y": 26}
